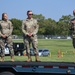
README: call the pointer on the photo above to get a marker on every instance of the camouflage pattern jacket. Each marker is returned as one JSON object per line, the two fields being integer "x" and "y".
{"x": 72, "y": 28}
{"x": 30, "y": 26}
{"x": 6, "y": 28}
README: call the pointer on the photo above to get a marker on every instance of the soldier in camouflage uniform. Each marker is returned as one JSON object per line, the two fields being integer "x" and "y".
{"x": 6, "y": 29}
{"x": 30, "y": 29}
{"x": 72, "y": 28}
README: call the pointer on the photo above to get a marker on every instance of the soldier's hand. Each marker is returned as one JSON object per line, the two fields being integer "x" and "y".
{"x": 4, "y": 36}
{"x": 30, "y": 34}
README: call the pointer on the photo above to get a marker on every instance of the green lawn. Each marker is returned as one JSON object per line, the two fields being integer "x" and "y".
{"x": 54, "y": 45}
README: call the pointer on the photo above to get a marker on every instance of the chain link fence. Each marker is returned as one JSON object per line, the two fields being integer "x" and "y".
{"x": 45, "y": 37}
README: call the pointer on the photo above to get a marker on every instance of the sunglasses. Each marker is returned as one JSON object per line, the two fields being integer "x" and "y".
{"x": 30, "y": 14}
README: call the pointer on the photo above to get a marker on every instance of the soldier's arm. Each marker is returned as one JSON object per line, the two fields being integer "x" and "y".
{"x": 72, "y": 23}
{"x": 0, "y": 33}
{"x": 36, "y": 28}
{"x": 23, "y": 29}
{"x": 11, "y": 29}
{"x": 0, "y": 30}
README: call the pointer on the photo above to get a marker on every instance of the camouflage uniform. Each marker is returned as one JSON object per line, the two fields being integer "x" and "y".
{"x": 72, "y": 28}
{"x": 6, "y": 28}
{"x": 30, "y": 26}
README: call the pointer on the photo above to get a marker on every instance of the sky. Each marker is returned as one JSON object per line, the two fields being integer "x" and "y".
{"x": 53, "y": 9}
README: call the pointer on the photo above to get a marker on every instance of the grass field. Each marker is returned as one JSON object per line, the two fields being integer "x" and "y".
{"x": 65, "y": 47}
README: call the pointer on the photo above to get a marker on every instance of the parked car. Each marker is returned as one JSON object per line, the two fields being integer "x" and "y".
{"x": 40, "y": 52}
{"x": 44, "y": 52}
{"x": 32, "y": 52}
{"x": 18, "y": 49}
{"x": 7, "y": 52}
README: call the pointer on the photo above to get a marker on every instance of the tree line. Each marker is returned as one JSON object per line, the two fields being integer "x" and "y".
{"x": 46, "y": 26}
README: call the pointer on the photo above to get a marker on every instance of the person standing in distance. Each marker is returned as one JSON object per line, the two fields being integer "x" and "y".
{"x": 6, "y": 29}
{"x": 72, "y": 28}
{"x": 30, "y": 30}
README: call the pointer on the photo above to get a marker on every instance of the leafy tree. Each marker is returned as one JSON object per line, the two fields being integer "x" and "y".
{"x": 46, "y": 26}
{"x": 17, "y": 26}
{"x": 64, "y": 24}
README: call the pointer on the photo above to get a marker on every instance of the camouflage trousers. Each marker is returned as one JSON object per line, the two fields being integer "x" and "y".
{"x": 28, "y": 41}
{"x": 9, "y": 43}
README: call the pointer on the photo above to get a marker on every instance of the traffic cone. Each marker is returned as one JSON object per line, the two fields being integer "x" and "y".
{"x": 50, "y": 54}
{"x": 59, "y": 53}
{"x": 62, "y": 54}
{"x": 24, "y": 53}
{"x": 73, "y": 52}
